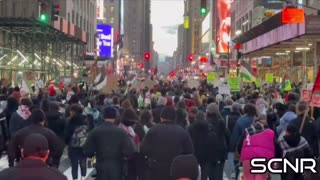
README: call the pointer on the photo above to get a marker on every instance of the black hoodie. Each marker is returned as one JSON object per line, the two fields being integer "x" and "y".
{"x": 56, "y": 122}
{"x": 198, "y": 132}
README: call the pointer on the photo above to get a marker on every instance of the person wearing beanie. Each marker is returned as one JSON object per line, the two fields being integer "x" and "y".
{"x": 163, "y": 143}
{"x": 110, "y": 144}
{"x": 35, "y": 152}
{"x": 184, "y": 167}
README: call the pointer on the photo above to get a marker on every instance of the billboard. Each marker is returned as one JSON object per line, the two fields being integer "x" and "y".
{"x": 223, "y": 26}
{"x": 100, "y": 7}
{"x": 105, "y": 41}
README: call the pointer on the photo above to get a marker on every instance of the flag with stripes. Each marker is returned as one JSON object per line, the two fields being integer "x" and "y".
{"x": 247, "y": 73}
{"x": 101, "y": 80}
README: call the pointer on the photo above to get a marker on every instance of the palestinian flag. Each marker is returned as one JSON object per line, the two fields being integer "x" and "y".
{"x": 247, "y": 72}
{"x": 286, "y": 84}
{"x": 101, "y": 80}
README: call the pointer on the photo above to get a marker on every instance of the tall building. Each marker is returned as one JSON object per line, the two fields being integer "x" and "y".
{"x": 48, "y": 49}
{"x": 178, "y": 54}
{"x": 137, "y": 30}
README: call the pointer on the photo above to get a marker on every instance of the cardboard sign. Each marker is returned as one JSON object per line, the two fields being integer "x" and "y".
{"x": 315, "y": 100}
{"x": 224, "y": 89}
{"x": 193, "y": 83}
{"x": 269, "y": 78}
{"x": 306, "y": 95}
{"x": 112, "y": 84}
{"x": 234, "y": 83}
{"x": 211, "y": 77}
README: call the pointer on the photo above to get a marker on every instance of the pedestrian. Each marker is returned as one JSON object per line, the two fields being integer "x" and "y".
{"x": 163, "y": 143}
{"x": 217, "y": 142}
{"x": 293, "y": 146}
{"x": 75, "y": 136}
{"x": 12, "y": 106}
{"x": 308, "y": 130}
{"x": 110, "y": 144}
{"x": 38, "y": 121}
{"x": 287, "y": 118}
{"x": 19, "y": 119}
{"x": 192, "y": 113}
{"x": 184, "y": 167}
{"x": 161, "y": 104}
{"x": 145, "y": 124}
{"x": 258, "y": 141}
{"x": 35, "y": 152}
{"x": 56, "y": 120}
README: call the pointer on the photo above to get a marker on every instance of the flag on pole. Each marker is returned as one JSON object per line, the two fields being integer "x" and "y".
{"x": 247, "y": 73}
{"x": 286, "y": 84}
{"x": 315, "y": 94}
{"x": 101, "y": 79}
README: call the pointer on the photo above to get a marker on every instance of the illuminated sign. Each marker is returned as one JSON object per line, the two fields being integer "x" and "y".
{"x": 100, "y": 7}
{"x": 105, "y": 40}
{"x": 292, "y": 15}
{"x": 223, "y": 26}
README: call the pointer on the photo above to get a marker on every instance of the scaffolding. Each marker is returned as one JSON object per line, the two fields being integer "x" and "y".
{"x": 29, "y": 46}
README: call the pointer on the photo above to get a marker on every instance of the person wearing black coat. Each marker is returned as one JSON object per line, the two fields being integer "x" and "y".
{"x": 111, "y": 145}
{"x": 56, "y": 120}
{"x": 309, "y": 131}
{"x": 75, "y": 154}
{"x": 38, "y": 121}
{"x": 161, "y": 104}
{"x": 20, "y": 118}
{"x": 33, "y": 166}
{"x": 163, "y": 143}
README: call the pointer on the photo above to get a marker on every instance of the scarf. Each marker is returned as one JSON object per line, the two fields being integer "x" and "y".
{"x": 24, "y": 112}
{"x": 286, "y": 148}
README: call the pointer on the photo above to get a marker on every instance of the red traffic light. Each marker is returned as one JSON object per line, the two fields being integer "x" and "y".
{"x": 237, "y": 46}
{"x": 203, "y": 59}
{"x": 57, "y": 6}
{"x": 147, "y": 56}
{"x": 191, "y": 57}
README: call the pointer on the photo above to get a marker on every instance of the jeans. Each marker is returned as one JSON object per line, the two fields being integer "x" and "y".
{"x": 77, "y": 158}
{"x": 215, "y": 170}
{"x": 230, "y": 165}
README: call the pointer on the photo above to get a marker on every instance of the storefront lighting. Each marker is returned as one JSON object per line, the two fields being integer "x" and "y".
{"x": 69, "y": 64}
{"x": 12, "y": 60}
{"x": 238, "y": 32}
{"x": 24, "y": 58}
{"x": 302, "y": 48}
{"x": 193, "y": 62}
{"x": 47, "y": 59}
{"x": 3, "y": 56}
{"x": 310, "y": 44}
{"x": 37, "y": 56}
{"x": 246, "y": 22}
{"x": 288, "y": 51}
{"x": 19, "y": 72}
{"x": 296, "y": 51}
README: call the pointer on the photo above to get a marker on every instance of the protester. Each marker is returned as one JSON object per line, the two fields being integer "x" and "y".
{"x": 166, "y": 137}
{"x": 56, "y": 120}
{"x": 184, "y": 167}
{"x": 287, "y": 118}
{"x": 110, "y": 144}
{"x": 75, "y": 136}
{"x": 35, "y": 152}
{"x": 192, "y": 113}
{"x": 161, "y": 104}
{"x": 38, "y": 121}
{"x": 145, "y": 124}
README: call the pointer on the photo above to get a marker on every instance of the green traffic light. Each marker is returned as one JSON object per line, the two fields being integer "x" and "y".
{"x": 44, "y": 18}
{"x": 203, "y": 10}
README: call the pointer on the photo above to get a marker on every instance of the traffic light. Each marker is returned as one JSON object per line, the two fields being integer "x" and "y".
{"x": 147, "y": 56}
{"x": 55, "y": 10}
{"x": 43, "y": 16}
{"x": 203, "y": 7}
{"x": 190, "y": 57}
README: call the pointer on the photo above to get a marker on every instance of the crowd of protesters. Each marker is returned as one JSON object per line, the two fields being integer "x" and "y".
{"x": 169, "y": 131}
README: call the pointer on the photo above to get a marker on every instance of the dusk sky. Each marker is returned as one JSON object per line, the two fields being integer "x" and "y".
{"x": 166, "y": 15}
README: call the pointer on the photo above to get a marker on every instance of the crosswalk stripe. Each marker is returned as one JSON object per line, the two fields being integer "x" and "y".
{"x": 69, "y": 175}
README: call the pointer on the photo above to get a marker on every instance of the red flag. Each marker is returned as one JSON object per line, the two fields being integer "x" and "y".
{"x": 315, "y": 97}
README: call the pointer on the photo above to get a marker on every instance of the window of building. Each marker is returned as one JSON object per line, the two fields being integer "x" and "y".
{"x": 72, "y": 17}
{"x": 112, "y": 20}
{"x": 112, "y": 9}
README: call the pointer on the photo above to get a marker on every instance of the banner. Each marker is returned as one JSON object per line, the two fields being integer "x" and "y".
{"x": 269, "y": 78}
{"x": 211, "y": 77}
{"x": 234, "y": 83}
{"x": 259, "y": 82}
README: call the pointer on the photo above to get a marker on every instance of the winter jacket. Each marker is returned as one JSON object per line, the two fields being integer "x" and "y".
{"x": 199, "y": 133}
{"x": 56, "y": 122}
{"x": 156, "y": 113}
{"x": 55, "y": 146}
{"x": 284, "y": 120}
{"x": 110, "y": 144}
{"x": 230, "y": 122}
{"x": 29, "y": 169}
{"x": 17, "y": 123}
{"x": 258, "y": 142}
{"x": 238, "y": 130}
{"x": 309, "y": 132}
{"x": 162, "y": 144}
{"x": 72, "y": 124}
{"x": 226, "y": 111}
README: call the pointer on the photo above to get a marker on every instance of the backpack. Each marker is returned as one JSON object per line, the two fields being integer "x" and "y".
{"x": 79, "y": 136}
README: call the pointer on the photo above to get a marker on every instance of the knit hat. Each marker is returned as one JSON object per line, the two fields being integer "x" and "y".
{"x": 110, "y": 113}
{"x": 213, "y": 108}
{"x": 35, "y": 144}
{"x": 184, "y": 166}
